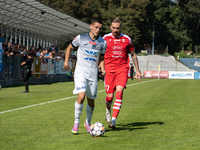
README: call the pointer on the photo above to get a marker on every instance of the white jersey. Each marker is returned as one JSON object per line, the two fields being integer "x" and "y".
{"x": 88, "y": 55}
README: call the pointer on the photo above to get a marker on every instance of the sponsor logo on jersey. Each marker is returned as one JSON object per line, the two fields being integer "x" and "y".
{"x": 117, "y": 40}
{"x": 90, "y": 55}
{"x": 117, "y": 47}
{"x": 93, "y": 43}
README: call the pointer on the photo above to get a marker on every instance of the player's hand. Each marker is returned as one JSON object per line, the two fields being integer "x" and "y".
{"x": 138, "y": 75}
{"x": 66, "y": 67}
{"x": 103, "y": 72}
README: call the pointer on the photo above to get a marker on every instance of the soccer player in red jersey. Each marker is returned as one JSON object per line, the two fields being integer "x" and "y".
{"x": 116, "y": 67}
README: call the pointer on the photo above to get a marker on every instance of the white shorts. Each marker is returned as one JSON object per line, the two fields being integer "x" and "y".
{"x": 84, "y": 85}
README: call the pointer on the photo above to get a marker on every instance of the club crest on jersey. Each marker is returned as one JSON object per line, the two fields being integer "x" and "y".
{"x": 93, "y": 43}
{"x": 123, "y": 40}
{"x": 98, "y": 46}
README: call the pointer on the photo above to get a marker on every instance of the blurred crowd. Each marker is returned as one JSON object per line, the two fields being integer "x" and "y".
{"x": 51, "y": 52}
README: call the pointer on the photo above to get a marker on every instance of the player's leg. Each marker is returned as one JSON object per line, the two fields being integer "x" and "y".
{"x": 80, "y": 89}
{"x": 120, "y": 81}
{"x": 108, "y": 101}
{"x": 117, "y": 105}
{"x": 91, "y": 94}
{"x": 78, "y": 111}
{"x": 110, "y": 89}
{"x": 89, "y": 111}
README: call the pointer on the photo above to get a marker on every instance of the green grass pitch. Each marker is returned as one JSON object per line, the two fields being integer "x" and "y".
{"x": 155, "y": 115}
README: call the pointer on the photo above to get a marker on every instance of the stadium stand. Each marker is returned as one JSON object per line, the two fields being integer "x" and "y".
{"x": 192, "y": 63}
{"x": 169, "y": 63}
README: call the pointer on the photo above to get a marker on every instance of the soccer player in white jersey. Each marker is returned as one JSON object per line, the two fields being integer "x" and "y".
{"x": 91, "y": 49}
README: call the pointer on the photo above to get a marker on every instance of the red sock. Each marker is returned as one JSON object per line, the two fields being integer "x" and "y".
{"x": 118, "y": 104}
{"x": 108, "y": 102}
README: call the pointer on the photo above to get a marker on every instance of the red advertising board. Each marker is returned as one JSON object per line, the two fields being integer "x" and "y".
{"x": 154, "y": 74}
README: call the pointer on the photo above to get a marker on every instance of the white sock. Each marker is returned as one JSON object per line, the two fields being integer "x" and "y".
{"x": 78, "y": 111}
{"x": 113, "y": 120}
{"x": 89, "y": 111}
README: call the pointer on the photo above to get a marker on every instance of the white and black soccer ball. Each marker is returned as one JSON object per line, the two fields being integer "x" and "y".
{"x": 97, "y": 129}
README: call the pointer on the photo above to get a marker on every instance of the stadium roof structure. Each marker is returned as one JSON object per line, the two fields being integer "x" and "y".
{"x": 30, "y": 21}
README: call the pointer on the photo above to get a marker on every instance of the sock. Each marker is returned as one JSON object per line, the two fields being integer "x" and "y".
{"x": 108, "y": 102}
{"x": 78, "y": 111}
{"x": 89, "y": 111}
{"x": 117, "y": 105}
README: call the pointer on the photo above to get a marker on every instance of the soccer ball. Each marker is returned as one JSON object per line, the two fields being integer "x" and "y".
{"x": 97, "y": 129}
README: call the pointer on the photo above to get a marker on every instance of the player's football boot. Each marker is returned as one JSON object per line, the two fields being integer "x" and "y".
{"x": 108, "y": 115}
{"x": 112, "y": 125}
{"x": 87, "y": 127}
{"x": 75, "y": 128}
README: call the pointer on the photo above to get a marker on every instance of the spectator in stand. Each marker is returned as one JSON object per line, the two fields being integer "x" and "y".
{"x": 2, "y": 39}
{"x": 41, "y": 54}
{"x": 50, "y": 56}
{"x": 46, "y": 54}
{"x": 56, "y": 48}
{"x": 38, "y": 53}
{"x": 53, "y": 54}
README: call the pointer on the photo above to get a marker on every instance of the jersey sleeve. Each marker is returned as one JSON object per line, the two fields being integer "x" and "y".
{"x": 131, "y": 47}
{"x": 76, "y": 42}
{"x": 104, "y": 47}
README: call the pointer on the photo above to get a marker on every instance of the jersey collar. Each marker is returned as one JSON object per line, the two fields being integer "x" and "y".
{"x": 118, "y": 37}
{"x": 92, "y": 39}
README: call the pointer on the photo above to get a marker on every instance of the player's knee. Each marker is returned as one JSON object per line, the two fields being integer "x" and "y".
{"x": 81, "y": 98}
{"x": 108, "y": 99}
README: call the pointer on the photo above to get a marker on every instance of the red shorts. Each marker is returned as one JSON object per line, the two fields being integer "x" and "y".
{"x": 112, "y": 79}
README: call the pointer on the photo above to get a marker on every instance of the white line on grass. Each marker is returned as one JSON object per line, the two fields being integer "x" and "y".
{"x": 62, "y": 99}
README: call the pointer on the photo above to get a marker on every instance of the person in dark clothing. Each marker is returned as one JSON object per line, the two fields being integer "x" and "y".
{"x": 26, "y": 70}
{"x": 132, "y": 71}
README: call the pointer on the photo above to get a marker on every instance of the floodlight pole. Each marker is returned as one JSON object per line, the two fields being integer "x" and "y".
{"x": 153, "y": 41}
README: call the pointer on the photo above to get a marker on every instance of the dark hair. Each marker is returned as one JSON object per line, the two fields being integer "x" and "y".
{"x": 30, "y": 53}
{"x": 96, "y": 20}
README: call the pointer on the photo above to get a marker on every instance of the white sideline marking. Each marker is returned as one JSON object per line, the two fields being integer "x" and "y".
{"x": 62, "y": 99}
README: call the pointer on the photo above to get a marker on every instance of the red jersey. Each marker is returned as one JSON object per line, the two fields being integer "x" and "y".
{"x": 116, "y": 55}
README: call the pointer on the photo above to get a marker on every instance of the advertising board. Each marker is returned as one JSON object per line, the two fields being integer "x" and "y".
{"x": 181, "y": 75}
{"x": 156, "y": 74}
{"x": 197, "y": 75}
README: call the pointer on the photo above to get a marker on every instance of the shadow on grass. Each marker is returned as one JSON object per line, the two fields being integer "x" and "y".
{"x": 134, "y": 126}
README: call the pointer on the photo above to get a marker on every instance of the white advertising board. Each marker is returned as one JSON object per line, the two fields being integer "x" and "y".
{"x": 181, "y": 75}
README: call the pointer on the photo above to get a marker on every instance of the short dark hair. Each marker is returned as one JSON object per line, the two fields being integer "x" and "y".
{"x": 30, "y": 53}
{"x": 96, "y": 20}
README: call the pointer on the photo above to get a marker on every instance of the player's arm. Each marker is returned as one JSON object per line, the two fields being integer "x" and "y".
{"x": 102, "y": 64}
{"x": 67, "y": 54}
{"x": 136, "y": 64}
